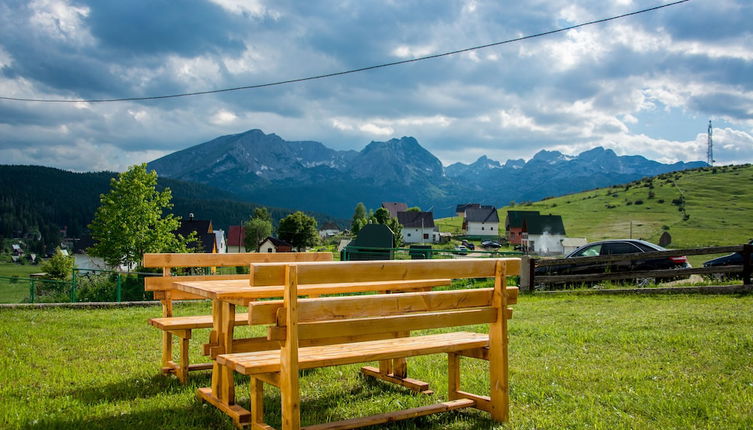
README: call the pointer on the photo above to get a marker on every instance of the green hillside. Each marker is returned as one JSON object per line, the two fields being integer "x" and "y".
{"x": 700, "y": 207}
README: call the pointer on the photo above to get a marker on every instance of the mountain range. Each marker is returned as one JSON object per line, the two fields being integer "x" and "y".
{"x": 307, "y": 175}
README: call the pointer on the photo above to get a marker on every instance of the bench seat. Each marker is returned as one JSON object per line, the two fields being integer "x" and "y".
{"x": 191, "y": 322}
{"x": 251, "y": 363}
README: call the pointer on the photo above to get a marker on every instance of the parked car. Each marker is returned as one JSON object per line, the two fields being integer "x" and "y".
{"x": 490, "y": 244}
{"x": 615, "y": 247}
{"x": 461, "y": 250}
{"x": 468, "y": 245}
{"x": 734, "y": 259}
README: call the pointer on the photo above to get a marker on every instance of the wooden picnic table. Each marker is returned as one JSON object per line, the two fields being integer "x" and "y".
{"x": 227, "y": 294}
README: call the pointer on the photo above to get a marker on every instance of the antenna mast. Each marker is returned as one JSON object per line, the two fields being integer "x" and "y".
{"x": 710, "y": 150}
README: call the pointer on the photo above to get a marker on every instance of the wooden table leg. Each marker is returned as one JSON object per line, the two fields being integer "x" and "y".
{"x": 227, "y": 388}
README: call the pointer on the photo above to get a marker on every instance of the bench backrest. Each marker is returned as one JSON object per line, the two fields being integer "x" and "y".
{"x": 356, "y": 317}
{"x": 168, "y": 261}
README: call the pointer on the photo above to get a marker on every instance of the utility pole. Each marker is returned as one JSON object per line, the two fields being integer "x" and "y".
{"x": 710, "y": 149}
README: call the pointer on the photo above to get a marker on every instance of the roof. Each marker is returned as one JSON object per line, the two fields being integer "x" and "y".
{"x": 330, "y": 225}
{"x": 236, "y": 235}
{"x": 395, "y": 207}
{"x": 464, "y": 206}
{"x": 190, "y": 225}
{"x": 541, "y": 224}
{"x": 574, "y": 241}
{"x": 515, "y": 218}
{"x": 482, "y": 214}
{"x": 416, "y": 219}
{"x": 276, "y": 242}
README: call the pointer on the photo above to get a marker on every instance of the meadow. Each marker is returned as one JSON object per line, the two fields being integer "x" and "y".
{"x": 575, "y": 362}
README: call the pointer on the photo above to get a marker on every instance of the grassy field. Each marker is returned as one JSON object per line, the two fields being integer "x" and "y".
{"x": 576, "y": 362}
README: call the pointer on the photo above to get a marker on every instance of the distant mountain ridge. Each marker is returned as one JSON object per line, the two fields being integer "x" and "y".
{"x": 308, "y": 175}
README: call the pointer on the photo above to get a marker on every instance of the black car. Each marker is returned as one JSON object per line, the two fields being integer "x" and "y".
{"x": 734, "y": 259}
{"x": 468, "y": 245}
{"x": 615, "y": 247}
{"x": 490, "y": 244}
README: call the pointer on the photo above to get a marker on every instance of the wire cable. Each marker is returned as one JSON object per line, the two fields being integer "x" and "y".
{"x": 351, "y": 71}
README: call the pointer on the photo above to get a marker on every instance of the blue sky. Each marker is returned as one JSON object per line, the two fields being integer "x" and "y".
{"x": 643, "y": 85}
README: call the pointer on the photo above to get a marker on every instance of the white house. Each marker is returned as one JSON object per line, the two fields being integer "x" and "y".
{"x": 481, "y": 221}
{"x": 220, "y": 242}
{"x": 570, "y": 244}
{"x": 543, "y": 234}
{"x": 273, "y": 244}
{"x": 418, "y": 227}
{"x": 329, "y": 229}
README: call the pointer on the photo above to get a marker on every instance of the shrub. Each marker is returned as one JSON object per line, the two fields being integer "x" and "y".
{"x": 639, "y": 202}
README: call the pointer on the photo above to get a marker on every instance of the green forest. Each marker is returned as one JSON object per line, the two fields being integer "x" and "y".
{"x": 38, "y": 202}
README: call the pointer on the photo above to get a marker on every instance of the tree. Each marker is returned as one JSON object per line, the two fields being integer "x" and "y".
{"x": 59, "y": 267}
{"x": 299, "y": 229}
{"x": 414, "y": 209}
{"x": 130, "y": 221}
{"x": 359, "y": 218}
{"x": 263, "y": 214}
{"x": 256, "y": 230}
{"x": 381, "y": 216}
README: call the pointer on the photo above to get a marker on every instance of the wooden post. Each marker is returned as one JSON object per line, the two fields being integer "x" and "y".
{"x": 747, "y": 266}
{"x": 227, "y": 389}
{"x": 256, "y": 401}
{"x": 499, "y": 395}
{"x": 289, "y": 389}
{"x": 526, "y": 278}
{"x": 453, "y": 376}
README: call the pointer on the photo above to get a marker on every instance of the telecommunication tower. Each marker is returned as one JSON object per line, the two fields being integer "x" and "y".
{"x": 710, "y": 150}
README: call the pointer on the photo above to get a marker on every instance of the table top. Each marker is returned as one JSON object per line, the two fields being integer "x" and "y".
{"x": 240, "y": 292}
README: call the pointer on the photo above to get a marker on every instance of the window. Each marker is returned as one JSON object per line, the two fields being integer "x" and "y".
{"x": 269, "y": 250}
{"x": 482, "y": 228}
{"x": 426, "y": 235}
{"x": 591, "y": 251}
{"x": 619, "y": 248}
{"x": 491, "y": 228}
{"x": 408, "y": 234}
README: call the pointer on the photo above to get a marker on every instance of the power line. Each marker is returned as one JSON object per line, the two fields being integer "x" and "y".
{"x": 347, "y": 72}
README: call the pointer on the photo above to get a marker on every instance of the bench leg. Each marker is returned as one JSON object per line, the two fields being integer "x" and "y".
{"x": 167, "y": 352}
{"x": 182, "y": 372}
{"x": 453, "y": 376}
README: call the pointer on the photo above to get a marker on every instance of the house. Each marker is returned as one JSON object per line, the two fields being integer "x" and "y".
{"x": 395, "y": 207}
{"x": 570, "y": 244}
{"x": 418, "y": 227}
{"x": 273, "y": 244}
{"x": 205, "y": 237}
{"x": 220, "y": 242}
{"x": 481, "y": 221}
{"x": 543, "y": 234}
{"x": 329, "y": 229}
{"x": 460, "y": 209}
{"x": 235, "y": 239}
{"x": 514, "y": 225}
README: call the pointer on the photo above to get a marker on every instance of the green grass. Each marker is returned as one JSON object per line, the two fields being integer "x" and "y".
{"x": 21, "y": 270}
{"x": 575, "y": 362}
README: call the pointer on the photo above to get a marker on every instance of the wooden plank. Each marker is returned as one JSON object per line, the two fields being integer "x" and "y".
{"x": 391, "y": 417}
{"x": 393, "y": 323}
{"x": 256, "y": 400}
{"x": 288, "y": 357}
{"x": 350, "y": 353}
{"x": 182, "y": 371}
{"x": 375, "y": 271}
{"x": 192, "y": 322}
{"x": 639, "y": 256}
{"x": 329, "y": 308}
{"x": 478, "y": 353}
{"x": 229, "y": 259}
{"x": 483, "y": 403}
{"x": 229, "y": 289}
{"x": 158, "y": 283}
{"x": 666, "y": 273}
{"x": 227, "y": 389}
{"x": 239, "y": 414}
{"x": 412, "y": 384}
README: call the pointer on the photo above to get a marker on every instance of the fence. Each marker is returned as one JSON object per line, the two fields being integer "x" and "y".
{"x": 86, "y": 285}
{"x": 369, "y": 253}
{"x": 530, "y": 279}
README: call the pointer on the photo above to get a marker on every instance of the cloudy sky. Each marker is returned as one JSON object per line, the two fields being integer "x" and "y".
{"x": 646, "y": 84}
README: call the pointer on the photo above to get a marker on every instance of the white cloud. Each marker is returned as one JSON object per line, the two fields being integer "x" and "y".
{"x": 406, "y": 51}
{"x": 375, "y": 129}
{"x": 223, "y": 117}
{"x": 251, "y": 7}
{"x": 61, "y": 20}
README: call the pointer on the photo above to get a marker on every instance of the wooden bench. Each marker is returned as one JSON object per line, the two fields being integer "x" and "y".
{"x": 182, "y": 327}
{"x": 330, "y": 331}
